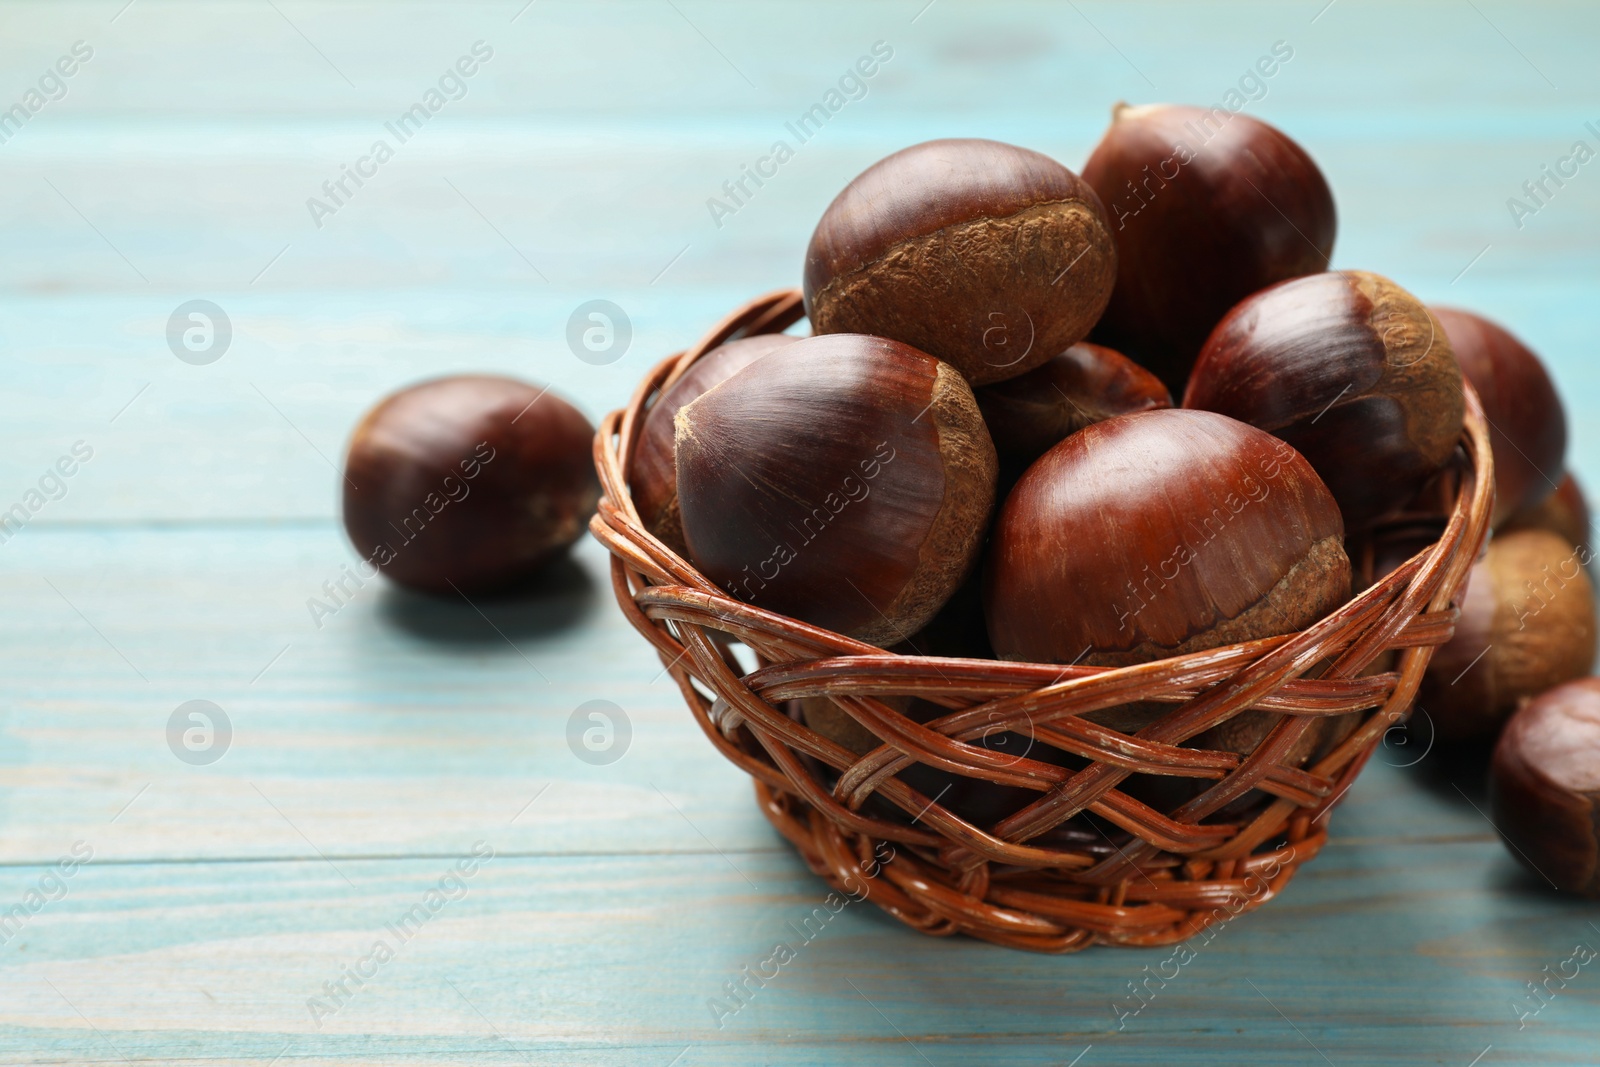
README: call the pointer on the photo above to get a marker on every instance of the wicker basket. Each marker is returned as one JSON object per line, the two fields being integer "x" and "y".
{"x": 1085, "y": 862}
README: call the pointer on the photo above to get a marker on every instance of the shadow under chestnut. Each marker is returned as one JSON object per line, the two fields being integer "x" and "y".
{"x": 558, "y": 597}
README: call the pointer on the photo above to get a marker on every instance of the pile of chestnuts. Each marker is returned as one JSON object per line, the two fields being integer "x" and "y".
{"x": 1105, "y": 418}
{"x": 1027, "y": 427}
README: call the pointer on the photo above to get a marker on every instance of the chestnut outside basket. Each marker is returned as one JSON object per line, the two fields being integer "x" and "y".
{"x": 1157, "y": 877}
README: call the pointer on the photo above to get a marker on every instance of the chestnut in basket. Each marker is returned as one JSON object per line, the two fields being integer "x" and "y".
{"x": 1087, "y": 383}
{"x": 469, "y": 483}
{"x": 1206, "y": 207}
{"x": 654, "y": 481}
{"x": 990, "y": 257}
{"x": 1527, "y": 623}
{"x": 845, "y": 481}
{"x": 1352, "y": 371}
{"x": 1527, "y": 425}
{"x": 1160, "y": 533}
{"x": 1544, "y": 786}
{"x": 1565, "y": 511}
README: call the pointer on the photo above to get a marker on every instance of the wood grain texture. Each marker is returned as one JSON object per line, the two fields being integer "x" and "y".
{"x": 614, "y": 960}
{"x": 373, "y": 751}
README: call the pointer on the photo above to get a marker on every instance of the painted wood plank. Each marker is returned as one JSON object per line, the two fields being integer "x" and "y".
{"x": 614, "y": 960}
{"x": 398, "y": 725}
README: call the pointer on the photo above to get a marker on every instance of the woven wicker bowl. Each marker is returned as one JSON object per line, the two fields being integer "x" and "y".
{"x": 1085, "y": 862}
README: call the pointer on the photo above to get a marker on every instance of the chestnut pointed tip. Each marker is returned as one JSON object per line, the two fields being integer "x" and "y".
{"x": 1185, "y": 185}
{"x": 652, "y": 480}
{"x": 683, "y": 422}
{"x": 1122, "y": 111}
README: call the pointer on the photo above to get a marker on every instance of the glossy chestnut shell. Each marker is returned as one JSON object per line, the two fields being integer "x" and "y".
{"x": 1352, "y": 371}
{"x": 1527, "y": 623}
{"x": 1160, "y": 533}
{"x": 843, "y": 480}
{"x": 654, "y": 480}
{"x": 1087, "y": 383}
{"x": 988, "y": 256}
{"x": 1527, "y": 423}
{"x": 468, "y": 484}
{"x": 1206, "y": 206}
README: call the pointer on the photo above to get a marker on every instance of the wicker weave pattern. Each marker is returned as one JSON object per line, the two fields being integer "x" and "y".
{"x": 1173, "y": 873}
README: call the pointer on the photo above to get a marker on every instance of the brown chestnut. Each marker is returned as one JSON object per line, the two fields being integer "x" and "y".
{"x": 1206, "y": 207}
{"x": 990, "y": 257}
{"x": 1087, "y": 383}
{"x": 1527, "y": 424}
{"x": 1160, "y": 533}
{"x": 844, "y": 480}
{"x": 469, "y": 483}
{"x": 1565, "y": 511}
{"x": 1352, "y": 371}
{"x": 654, "y": 481}
{"x": 1527, "y": 623}
{"x": 1544, "y": 786}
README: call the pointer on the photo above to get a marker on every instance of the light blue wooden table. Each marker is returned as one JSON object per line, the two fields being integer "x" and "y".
{"x": 222, "y": 904}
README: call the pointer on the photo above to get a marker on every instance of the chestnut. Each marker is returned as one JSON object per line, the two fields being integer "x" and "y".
{"x": 1206, "y": 207}
{"x": 654, "y": 481}
{"x": 1527, "y": 623}
{"x": 1352, "y": 371}
{"x": 1527, "y": 425}
{"x": 1544, "y": 786}
{"x": 845, "y": 481}
{"x": 1160, "y": 533}
{"x": 990, "y": 257}
{"x": 469, "y": 483}
{"x": 1087, "y": 383}
{"x": 1565, "y": 511}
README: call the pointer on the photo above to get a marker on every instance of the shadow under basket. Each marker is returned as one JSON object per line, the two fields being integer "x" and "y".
{"x": 1126, "y": 832}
